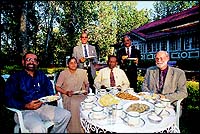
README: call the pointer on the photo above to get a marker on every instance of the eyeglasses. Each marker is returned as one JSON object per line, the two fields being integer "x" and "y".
{"x": 84, "y": 37}
{"x": 31, "y": 59}
{"x": 126, "y": 40}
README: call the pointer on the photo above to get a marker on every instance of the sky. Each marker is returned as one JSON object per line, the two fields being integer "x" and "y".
{"x": 144, "y": 4}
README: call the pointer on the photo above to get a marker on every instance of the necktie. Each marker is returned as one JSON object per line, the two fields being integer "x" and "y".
{"x": 127, "y": 52}
{"x": 112, "y": 79}
{"x": 86, "y": 54}
{"x": 161, "y": 81}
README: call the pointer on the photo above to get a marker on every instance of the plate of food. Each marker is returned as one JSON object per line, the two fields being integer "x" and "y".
{"x": 127, "y": 96}
{"x": 108, "y": 100}
{"x": 49, "y": 98}
{"x": 142, "y": 107}
{"x": 131, "y": 58}
{"x": 149, "y": 96}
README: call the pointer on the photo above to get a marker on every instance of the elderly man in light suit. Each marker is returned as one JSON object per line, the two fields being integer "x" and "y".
{"x": 87, "y": 57}
{"x": 173, "y": 86}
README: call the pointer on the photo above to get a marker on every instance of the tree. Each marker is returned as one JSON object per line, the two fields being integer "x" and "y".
{"x": 166, "y": 8}
{"x": 53, "y": 28}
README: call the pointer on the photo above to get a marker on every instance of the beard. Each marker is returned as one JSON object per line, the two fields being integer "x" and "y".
{"x": 30, "y": 67}
{"x": 161, "y": 65}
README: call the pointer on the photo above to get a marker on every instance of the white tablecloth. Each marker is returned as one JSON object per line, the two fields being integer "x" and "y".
{"x": 167, "y": 125}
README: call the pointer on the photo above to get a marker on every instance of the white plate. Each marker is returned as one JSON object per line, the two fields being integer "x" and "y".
{"x": 49, "y": 98}
{"x": 131, "y": 58}
{"x": 141, "y": 123}
{"x": 89, "y": 57}
{"x": 143, "y": 93}
{"x": 78, "y": 92}
{"x": 92, "y": 117}
{"x": 148, "y": 96}
{"x": 153, "y": 118}
{"x": 151, "y": 106}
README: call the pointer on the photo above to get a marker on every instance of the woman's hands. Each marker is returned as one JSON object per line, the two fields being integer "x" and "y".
{"x": 69, "y": 93}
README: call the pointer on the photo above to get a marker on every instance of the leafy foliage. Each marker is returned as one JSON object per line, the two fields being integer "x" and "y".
{"x": 52, "y": 28}
{"x": 166, "y": 8}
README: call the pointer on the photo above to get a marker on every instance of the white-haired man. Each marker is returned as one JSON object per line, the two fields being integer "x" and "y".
{"x": 164, "y": 79}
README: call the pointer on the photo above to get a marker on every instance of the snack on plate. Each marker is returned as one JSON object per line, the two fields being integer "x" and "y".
{"x": 154, "y": 96}
{"x": 126, "y": 96}
{"x": 141, "y": 93}
{"x": 52, "y": 98}
{"x": 107, "y": 100}
{"x": 138, "y": 107}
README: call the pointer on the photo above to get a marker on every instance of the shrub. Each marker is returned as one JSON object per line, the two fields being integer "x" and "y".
{"x": 193, "y": 99}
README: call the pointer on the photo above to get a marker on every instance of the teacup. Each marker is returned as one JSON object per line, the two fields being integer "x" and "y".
{"x": 133, "y": 118}
{"x": 114, "y": 91}
{"x": 97, "y": 111}
{"x": 159, "y": 107}
{"x": 88, "y": 104}
{"x": 130, "y": 90}
{"x": 165, "y": 101}
{"x": 91, "y": 96}
{"x": 102, "y": 92}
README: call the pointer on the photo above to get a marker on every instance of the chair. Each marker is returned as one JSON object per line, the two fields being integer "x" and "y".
{"x": 20, "y": 127}
{"x": 178, "y": 111}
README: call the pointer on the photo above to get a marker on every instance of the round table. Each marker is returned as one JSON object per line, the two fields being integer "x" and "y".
{"x": 167, "y": 125}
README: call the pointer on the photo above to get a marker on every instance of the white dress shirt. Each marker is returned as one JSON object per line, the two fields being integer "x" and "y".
{"x": 103, "y": 78}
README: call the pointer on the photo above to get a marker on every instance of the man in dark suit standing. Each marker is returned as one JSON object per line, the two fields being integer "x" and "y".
{"x": 128, "y": 58}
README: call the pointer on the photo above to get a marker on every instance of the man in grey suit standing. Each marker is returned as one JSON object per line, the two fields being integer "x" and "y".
{"x": 87, "y": 57}
{"x": 166, "y": 80}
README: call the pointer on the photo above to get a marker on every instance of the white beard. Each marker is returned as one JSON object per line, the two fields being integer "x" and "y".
{"x": 161, "y": 65}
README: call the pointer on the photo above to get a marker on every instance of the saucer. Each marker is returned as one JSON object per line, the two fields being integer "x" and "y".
{"x": 154, "y": 118}
{"x": 141, "y": 122}
{"x": 92, "y": 100}
{"x": 87, "y": 108}
{"x": 165, "y": 113}
{"x": 100, "y": 117}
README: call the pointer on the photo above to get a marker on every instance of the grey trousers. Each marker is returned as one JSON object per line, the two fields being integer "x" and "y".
{"x": 33, "y": 119}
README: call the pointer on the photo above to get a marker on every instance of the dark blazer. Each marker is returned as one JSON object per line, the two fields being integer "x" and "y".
{"x": 135, "y": 53}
